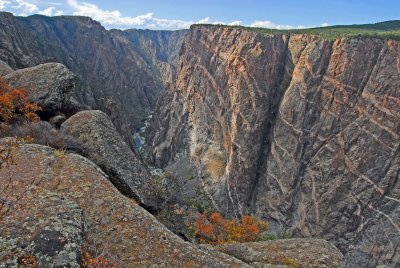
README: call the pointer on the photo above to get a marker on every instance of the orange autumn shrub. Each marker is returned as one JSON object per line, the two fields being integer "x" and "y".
{"x": 15, "y": 106}
{"x": 217, "y": 230}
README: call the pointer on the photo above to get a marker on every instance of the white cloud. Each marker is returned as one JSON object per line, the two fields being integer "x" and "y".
{"x": 236, "y": 22}
{"x": 114, "y": 18}
{"x": 204, "y": 21}
{"x": 209, "y": 21}
{"x": 51, "y": 11}
{"x": 19, "y": 7}
{"x": 271, "y": 25}
{"x": 48, "y": 11}
{"x": 106, "y": 17}
{"x": 170, "y": 24}
{"x": 56, "y": 3}
{"x": 325, "y": 24}
{"x": 24, "y": 8}
{"x": 3, "y": 4}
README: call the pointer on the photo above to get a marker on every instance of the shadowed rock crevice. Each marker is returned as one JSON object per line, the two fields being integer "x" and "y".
{"x": 267, "y": 134}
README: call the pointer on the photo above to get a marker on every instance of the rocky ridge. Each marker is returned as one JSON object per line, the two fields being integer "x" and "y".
{"x": 296, "y": 129}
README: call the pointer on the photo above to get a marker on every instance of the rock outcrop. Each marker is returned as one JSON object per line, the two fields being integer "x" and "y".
{"x": 310, "y": 253}
{"x": 62, "y": 205}
{"x": 299, "y": 130}
{"x": 106, "y": 148}
{"x": 50, "y": 85}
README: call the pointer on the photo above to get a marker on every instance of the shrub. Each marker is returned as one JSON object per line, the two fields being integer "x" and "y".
{"x": 217, "y": 230}
{"x": 15, "y": 106}
{"x": 215, "y": 163}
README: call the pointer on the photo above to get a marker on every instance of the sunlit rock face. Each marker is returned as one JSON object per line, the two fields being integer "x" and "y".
{"x": 296, "y": 129}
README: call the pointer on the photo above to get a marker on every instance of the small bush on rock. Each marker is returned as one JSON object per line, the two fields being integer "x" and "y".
{"x": 15, "y": 106}
{"x": 217, "y": 230}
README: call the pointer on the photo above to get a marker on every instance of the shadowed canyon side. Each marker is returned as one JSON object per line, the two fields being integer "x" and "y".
{"x": 300, "y": 130}
{"x": 114, "y": 73}
{"x": 161, "y": 48}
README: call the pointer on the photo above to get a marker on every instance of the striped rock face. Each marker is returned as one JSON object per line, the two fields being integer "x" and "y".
{"x": 301, "y": 131}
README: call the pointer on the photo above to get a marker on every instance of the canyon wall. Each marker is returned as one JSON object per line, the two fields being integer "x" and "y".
{"x": 296, "y": 129}
{"x": 114, "y": 74}
{"x": 161, "y": 48}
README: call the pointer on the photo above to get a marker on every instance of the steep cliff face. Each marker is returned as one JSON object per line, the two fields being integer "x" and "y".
{"x": 160, "y": 48}
{"x": 114, "y": 74}
{"x": 293, "y": 128}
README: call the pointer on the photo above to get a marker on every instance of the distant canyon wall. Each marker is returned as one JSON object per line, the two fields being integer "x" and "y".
{"x": 296, "y": 129}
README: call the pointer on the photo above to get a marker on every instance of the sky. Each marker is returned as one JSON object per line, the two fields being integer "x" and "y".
{"x": 180, "y": 14}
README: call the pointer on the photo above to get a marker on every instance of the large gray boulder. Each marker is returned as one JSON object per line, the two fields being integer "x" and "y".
{"x": 104, "y": 146}
{"x": 4, "y": 68}
{"x": 50, "y": 85}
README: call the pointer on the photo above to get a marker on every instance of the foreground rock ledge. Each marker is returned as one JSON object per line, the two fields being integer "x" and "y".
{"x": 129, "y": 233}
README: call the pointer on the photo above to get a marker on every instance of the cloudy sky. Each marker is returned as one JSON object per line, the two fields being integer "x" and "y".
{"x": 179, "y": 14}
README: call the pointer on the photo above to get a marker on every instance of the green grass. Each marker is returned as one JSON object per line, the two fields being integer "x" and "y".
{"x": 382, "y": 30}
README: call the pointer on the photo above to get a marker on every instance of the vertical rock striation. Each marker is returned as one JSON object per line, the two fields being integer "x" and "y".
{"x": 296, "y": 129}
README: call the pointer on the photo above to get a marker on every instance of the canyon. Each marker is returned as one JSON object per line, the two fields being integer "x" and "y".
{"x": 297, "y": 129}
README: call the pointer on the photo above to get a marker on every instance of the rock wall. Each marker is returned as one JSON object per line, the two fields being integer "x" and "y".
{"x": 296, "y": 129}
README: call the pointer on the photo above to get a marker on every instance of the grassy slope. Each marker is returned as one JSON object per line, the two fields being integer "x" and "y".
{"x": 384, "y": 30}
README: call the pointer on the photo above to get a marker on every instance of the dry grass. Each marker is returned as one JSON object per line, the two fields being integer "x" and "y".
{"x": 215, "y": 163}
